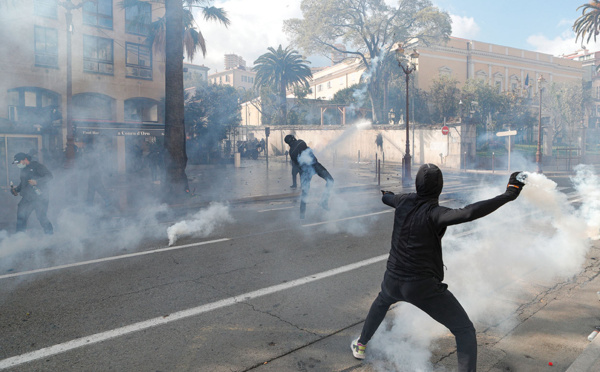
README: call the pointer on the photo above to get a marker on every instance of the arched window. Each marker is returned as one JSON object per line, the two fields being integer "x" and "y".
{"x": 93, "y": 106}
{"x": 141, "y": 110}
{"x": 33, "y": 105}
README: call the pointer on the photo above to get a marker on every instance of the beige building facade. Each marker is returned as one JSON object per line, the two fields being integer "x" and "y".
{"x": 507, "y": 68}
{"x": 239, "y": 78}
{"x": 117, "y": 80}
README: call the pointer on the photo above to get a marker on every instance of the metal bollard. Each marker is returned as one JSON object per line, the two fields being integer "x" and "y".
{"x": 379, "y": 173}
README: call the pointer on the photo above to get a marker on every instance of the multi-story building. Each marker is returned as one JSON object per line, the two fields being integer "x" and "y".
{"x": 117, "y": 81}
{"x": 234, "y": 61}
{"x": 193, "y": 74}
{"x": 239, "y": 78}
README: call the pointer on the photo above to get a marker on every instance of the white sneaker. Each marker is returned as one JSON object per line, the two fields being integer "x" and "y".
{"x": 358, "y": 349}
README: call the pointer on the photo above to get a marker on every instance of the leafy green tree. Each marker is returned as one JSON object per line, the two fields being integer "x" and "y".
{"x": 564, "y": 104}
{"x": 210, "y": 114}
{"x": 444, "y": 98}
{"x": 368, "y": 29}
{"x": 281, "y": 69}
{"x": 589, "y": 21}
{"x": 170, "y": 35}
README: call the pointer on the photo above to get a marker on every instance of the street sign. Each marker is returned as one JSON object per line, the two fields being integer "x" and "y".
{"x": 507, "y": 133}
{"x": 445, "y": 130}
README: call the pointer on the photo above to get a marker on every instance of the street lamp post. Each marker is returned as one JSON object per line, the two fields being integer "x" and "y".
{"x": 538, "y": 154}
{"x": 408, "y": 64}
{"x": 68, "y": 5}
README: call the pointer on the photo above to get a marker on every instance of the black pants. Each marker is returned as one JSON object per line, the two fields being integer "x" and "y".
{"x": 306, "y": 174}
{"x": 433, "y": 297}
{"x": 40, "y": 206}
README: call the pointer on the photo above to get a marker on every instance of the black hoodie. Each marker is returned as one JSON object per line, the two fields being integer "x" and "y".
{"x": 420, "y": 223}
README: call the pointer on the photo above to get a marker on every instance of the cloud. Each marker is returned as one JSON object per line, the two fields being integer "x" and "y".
{"x": 464, "y": 27}
{"x": 255, "y": 26}
{"x": 559, "y": 45}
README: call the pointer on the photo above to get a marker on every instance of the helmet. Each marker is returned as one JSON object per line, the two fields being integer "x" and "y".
{"x": 289, "y": 139}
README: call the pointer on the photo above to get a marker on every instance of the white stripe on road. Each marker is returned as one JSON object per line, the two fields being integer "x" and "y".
{"x": 136, "y": 327}
{"x": 347, "y": 218}
{"x": 99, "y": 260}
{"x": 274, "y": 209}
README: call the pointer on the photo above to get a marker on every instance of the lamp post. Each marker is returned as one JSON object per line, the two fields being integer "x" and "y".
{"x": 408, "y": 64}
{"x": 68, "y": 5}
{"x": 538, "y": 154}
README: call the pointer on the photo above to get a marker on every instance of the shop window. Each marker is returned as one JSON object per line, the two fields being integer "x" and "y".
{"x": 98, "y": 13}
{"x": 92, "y": 106}
{"x": 141, "y": 110}
{"x": 98, "y": 55}
{"x": 46, "y": 47}
{"x": 138, "y": 19}
{"x": 33, "y": 105}
{"x": 139, "y": 61}
{"x": 46, "y": 8}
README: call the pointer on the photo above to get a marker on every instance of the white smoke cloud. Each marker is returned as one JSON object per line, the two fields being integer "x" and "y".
{"x": 539, "y": 238}
{"x": 202, "y": 223}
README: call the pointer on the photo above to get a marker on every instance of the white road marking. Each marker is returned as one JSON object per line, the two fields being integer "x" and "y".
{"x": 162, "y": 320}
{"x": 275, "y": 209}
{"x": 347, "y": 218}
{"x": 99, "y": 260}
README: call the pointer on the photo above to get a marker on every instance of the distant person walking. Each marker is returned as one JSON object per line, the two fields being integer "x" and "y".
{"x": 306, "y": 162}
{"x": 34, "y": 192}
{"x": 415, "y": 269}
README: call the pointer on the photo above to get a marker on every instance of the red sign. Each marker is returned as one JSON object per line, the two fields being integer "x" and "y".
{"x": 445, "y": 130}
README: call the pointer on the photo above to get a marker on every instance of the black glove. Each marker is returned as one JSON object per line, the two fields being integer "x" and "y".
{"x": 514, "y": 187}
{"x": 383, "y": 192}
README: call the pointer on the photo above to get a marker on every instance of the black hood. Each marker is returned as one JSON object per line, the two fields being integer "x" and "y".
{"x": 429, "y": 181}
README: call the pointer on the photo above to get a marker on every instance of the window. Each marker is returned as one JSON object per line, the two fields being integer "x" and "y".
{"x": 92, "y": 106}
{"x": 33, "y": 105}
{"x": 138, "y": 19}
{"x": 138, "y": 61}
{"x": 46, "y": 8}
{"x": 329, "y": 85}
{"x": 98, "y": 55}
{"x": 227, "y": 78}
{"x": 141, "y": 110}
{"x": 46, "y": 47}
{"x": 98, "y": 13}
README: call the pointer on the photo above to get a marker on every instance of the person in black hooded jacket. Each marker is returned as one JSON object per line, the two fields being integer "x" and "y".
{"x": 415, "y": 269}
{"x": 305, "y": 162}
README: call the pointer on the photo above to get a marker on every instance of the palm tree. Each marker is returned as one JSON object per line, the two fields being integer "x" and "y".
{"x": 166, "y": 37}
{"x": 589, "y": 21}
{"x": 282, "y": 69}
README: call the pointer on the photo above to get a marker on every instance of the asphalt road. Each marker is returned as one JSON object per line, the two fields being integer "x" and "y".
{"x": 267, "y": 292}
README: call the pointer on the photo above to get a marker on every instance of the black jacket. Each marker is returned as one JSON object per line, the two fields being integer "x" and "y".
{"x": 297, "y": 148}
{"x": 39, "y": 173}
{"x": 420, "y": 223}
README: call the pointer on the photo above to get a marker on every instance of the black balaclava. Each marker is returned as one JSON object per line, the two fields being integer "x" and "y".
{"x": 289, "y": 139}
{"x": 429, "y": 181}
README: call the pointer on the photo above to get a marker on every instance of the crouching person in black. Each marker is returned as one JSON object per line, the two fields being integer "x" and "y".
{"x": 34, "y": 192}
{"x": 415, "y": 269}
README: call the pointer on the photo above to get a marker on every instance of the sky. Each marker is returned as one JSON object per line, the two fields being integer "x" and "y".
{"x": 537, "y": 25}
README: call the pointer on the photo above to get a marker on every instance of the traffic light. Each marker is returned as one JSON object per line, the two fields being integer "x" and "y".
{"x": 267, "y": 131}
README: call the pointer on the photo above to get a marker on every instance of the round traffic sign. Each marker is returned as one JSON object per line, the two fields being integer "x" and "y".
{"x": 445, "y": 130}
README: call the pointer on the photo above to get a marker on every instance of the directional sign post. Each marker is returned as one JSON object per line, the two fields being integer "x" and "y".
{"x": 508, "y": 134}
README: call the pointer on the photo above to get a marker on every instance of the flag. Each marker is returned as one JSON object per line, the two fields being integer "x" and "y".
{"x": 527, "y": 81}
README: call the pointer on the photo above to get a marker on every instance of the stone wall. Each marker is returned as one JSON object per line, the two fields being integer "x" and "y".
{"x": 350, "y": 142}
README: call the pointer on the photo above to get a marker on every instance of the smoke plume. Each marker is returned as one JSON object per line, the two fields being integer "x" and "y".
{"x": 202, "y": 223}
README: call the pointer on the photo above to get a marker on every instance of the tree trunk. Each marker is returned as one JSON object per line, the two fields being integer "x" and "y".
{"x": 283, "y": 105}
{"x": 176, "y": 157}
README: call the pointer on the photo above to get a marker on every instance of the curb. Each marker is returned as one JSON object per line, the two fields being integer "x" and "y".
{"x": 589, "y": 359}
